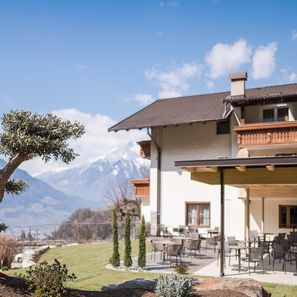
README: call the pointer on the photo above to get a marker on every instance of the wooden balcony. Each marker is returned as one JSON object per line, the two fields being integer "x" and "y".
{"x": 267, "y": 134}
{"x": 145, "y": 149}
{"x": 141, "y": 188}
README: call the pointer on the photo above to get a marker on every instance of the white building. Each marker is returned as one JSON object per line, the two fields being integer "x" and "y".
{"x": 233, "y": 151}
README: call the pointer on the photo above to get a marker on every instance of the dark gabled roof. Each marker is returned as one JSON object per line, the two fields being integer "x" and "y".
{"x": 201, "y": 108}
{"x": 265, "y": 94}
{"x": 176, "y": 111}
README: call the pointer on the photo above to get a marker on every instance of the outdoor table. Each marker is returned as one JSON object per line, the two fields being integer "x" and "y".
{"x": 294, "y": 252}
{"x": 238, "y": 249}
{"x": 211, "y": 232}
{"x": 182, "y": 238}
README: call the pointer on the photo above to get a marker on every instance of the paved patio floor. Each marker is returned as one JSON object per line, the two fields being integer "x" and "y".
{"x": 206, "y": 264}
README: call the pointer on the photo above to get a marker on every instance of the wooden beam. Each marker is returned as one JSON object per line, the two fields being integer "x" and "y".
{"x": 253, "y": 176}
{"x": 270, "y": 167}
{"x": 241, "y": 168}
{"x": 206, "y": 169}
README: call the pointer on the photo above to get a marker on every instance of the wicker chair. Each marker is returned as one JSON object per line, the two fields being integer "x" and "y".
{"x": 193, "y": 245}
{"x": 157, "y": 247}
{"x": 174, "y": 250}
{"x": 255, "y": 256}
{"x": 278, "y": 253}
{"x": 213, "y": 241}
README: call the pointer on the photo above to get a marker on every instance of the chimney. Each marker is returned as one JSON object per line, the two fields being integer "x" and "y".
{"x": 238, "y": 83}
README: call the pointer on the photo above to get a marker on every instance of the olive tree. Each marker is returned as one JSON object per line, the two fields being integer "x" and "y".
{"x": 26, "y": 135}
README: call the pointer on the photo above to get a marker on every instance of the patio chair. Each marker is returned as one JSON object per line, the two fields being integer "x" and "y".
{"x": 232, "y": 240}
{"x": 157, "y": 247}
{"x": 256, "y": 257}
{"x": 193, "y": 245}
{"x": 195, "y": 235}
{"x": 281, "y": 236}
{"x": 174, "y": 250}
{"x": 213, "y": 241}
{"x": 278, "y": 253}
{"x": 227, "y": 253}
{"x": 254, "y": 235}
{"x": 293, "y": 237}
{"x": 163, "y": 231}
{"x": 266, "y": 248}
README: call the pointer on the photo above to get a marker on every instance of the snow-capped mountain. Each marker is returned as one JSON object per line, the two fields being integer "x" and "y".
{"x": 97, "y": 182}
{"x": 40, "y": 204}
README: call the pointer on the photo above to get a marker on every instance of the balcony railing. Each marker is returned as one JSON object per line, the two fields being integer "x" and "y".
{"x": 267, "y": 134}
{"x": 141, "y": 188}
{"x": 145, "y": 149}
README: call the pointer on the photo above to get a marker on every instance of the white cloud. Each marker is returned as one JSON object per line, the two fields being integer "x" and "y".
{"x": 224, "y": 58}
{"x": 288, "y": 76}
{"x": 210, "y": 84}
{"x": 96, "y": 141}
{"x": 294, "y": 35}
{"x": 263, "y": 62}
{"x": 174, "y": 82}
{"x": 143, "y": 98}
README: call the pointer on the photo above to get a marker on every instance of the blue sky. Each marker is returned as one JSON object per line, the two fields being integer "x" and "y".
{"x": 106, "y": 59}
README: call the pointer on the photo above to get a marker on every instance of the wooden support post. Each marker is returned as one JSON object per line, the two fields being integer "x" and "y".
{"x": 222, "y": 250}
{"x": 263, "y": 214}
{"x": 247, "y": 214}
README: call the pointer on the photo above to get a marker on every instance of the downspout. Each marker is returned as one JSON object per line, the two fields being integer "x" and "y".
{"x": 158, "y": 180}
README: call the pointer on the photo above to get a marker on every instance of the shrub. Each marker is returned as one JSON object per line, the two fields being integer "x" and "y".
{"x": 142, "y": 245}
{"x": 181, "y": 268}
{"x": 115, "y": 259}
{"x": 127, "y": 258}
{"x": 8, "y": 249}
{"x": 47, "y": 280}
{"x": 173, "y": 285}
{"x": 147, "y": 230}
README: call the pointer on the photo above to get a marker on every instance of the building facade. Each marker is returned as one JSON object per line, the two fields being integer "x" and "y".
{"x": 255, "y": 124}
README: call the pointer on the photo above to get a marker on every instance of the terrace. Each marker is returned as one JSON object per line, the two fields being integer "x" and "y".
{"x": 206, "y": 261}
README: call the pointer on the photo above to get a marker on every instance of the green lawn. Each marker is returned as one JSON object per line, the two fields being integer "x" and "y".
{"x": 88, "y": 262}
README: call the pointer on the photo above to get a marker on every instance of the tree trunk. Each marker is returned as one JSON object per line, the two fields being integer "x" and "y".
{"x": 7, "y": 171}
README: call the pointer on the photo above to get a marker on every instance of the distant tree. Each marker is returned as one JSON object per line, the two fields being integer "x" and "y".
{"x": 115, "y": 259}
{"x": 142, "y": 245}
{"x": 30, "y": 236}
{"x": 23, "y": 235}
{"x": 27, "y": 135}
{"x": 3, "y": 227}
{"x": 127, "y": 258}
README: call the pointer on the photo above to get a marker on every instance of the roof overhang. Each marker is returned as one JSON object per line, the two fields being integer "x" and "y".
{"x": 244, "y": 171}
{"x": 255, "y": 100}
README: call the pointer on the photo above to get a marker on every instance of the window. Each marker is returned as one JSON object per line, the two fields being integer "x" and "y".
{"x": 223, "y": 127}
{"x": 198, "y": 214}
{"x": 282, "y": 114}
{"x": 268, "y": 115}
{"x": 279, "y": 114}
{"x": 287, "y": 216}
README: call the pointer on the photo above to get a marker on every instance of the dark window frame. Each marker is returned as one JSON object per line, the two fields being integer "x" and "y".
{"x": 275, "y": 111}
{"x": 288, "y": 216}
{"x": 198, "y": 213}
{"x": 223, "y": 127}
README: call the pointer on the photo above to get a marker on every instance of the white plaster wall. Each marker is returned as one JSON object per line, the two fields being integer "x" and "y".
{"x": 145, "y": 209}
{"x": 271, "y": 214}
{"x": 190, "y": 142}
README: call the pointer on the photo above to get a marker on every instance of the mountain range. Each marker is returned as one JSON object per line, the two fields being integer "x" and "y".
{"x": 52, "y": 196}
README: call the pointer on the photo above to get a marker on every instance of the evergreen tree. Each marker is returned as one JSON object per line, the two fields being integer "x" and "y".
{"x": 142, "y": 245}
{"x": 115, "y": 259}
{"x": 127, "y": 258}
